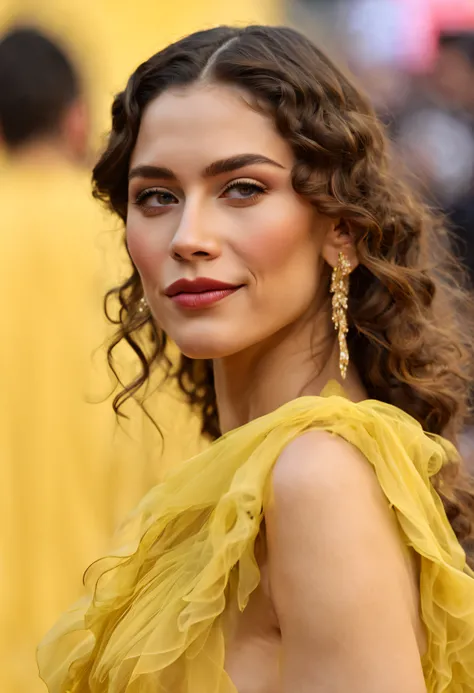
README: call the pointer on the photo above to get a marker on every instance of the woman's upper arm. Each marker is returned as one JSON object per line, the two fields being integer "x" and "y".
{"x": 338, "y": 575}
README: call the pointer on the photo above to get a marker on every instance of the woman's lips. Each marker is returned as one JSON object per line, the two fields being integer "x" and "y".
{"x": 202, "y": 299}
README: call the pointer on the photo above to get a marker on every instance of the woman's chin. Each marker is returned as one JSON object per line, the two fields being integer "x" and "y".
{"x": 206, "y": 348}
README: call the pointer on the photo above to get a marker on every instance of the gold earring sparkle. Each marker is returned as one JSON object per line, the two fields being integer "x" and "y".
{"x": 142, "y": 305}
{"x": 340, "y": 293}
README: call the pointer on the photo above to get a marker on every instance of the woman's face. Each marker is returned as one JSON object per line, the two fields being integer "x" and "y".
{"x": 211, "y": 202}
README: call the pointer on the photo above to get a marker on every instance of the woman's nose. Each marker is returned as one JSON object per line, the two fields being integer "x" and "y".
{"x": 194, "y": 239}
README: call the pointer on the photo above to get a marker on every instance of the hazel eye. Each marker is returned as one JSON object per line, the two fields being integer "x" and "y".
{"x": 155, "y": 197}
{"x": 243, "y": 190}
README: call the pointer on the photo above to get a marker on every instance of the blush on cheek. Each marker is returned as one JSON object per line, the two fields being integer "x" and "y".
{"x": 273, "y": 246}
{"x": 144, "y": 256}
{"x": 134, "y": 245}
{"x": 149, "y": 260}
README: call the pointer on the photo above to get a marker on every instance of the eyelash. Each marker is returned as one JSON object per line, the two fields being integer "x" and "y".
{"x": 261, "y": 190}
{"x": 248, "y": 183}
{"x": 145, "y": 194}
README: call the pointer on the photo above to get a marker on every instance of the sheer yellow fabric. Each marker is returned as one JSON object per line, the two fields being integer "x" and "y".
{"x": 153, "y": 620}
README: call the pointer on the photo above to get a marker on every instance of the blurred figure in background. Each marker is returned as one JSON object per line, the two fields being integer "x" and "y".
{"x": 435, "y": 135}
{"x": 43, "y": 116}
{"x": 456, "y": 78}
{"x": 416, "y": 60}
{"x": 68, "y": 471}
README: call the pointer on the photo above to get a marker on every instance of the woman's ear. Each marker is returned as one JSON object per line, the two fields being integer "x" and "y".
{"x": 339, "y": 239}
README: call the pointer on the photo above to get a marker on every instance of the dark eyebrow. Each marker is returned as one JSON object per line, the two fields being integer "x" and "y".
{"x": 151, "y": 172}
{"x": 233, "y": 163}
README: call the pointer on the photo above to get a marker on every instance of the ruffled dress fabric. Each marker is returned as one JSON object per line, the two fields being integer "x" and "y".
{"x": 153, "y": 620}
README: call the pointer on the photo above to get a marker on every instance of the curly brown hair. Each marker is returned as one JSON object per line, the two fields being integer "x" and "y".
{"x": 410, "y": 332}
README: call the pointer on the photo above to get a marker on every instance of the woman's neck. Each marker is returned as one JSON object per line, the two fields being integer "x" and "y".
{"x": 298, "y": 361}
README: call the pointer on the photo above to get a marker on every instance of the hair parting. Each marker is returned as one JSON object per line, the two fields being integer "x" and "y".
{"x": 406, "y": 335}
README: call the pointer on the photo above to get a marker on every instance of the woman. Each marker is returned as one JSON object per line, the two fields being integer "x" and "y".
{"x": 307, "y": 549}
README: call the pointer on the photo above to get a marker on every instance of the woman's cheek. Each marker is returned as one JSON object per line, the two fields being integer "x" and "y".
{"x": 272, "y": 245}
{"x": 140, "y": 247}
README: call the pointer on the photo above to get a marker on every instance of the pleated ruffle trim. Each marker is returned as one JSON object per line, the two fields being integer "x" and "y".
{"x": 153, "y": 618}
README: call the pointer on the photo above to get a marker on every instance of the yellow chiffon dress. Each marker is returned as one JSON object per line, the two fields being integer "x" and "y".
{"x": 153, "y": 618}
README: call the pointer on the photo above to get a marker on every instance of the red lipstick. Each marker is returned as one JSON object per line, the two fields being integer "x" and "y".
{"x": 199, "y": 293}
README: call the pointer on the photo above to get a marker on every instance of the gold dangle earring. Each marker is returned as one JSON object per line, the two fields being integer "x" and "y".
{"x": 340, "y": 293}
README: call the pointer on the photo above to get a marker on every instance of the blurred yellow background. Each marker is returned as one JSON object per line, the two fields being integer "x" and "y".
{"x": 42, "y": 557}
{"x": 109, "y": 38}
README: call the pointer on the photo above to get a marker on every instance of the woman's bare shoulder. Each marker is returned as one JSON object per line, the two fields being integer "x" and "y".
{"x": 337, "y": 573}
{"x": 318, "y": 461}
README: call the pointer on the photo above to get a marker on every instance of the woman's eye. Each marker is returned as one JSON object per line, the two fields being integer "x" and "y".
{"x": 243, "y": 191}
{"x": 155, "y": 198}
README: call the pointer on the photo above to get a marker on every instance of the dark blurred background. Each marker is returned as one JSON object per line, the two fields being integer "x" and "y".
{"x": 415, "y": 58}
